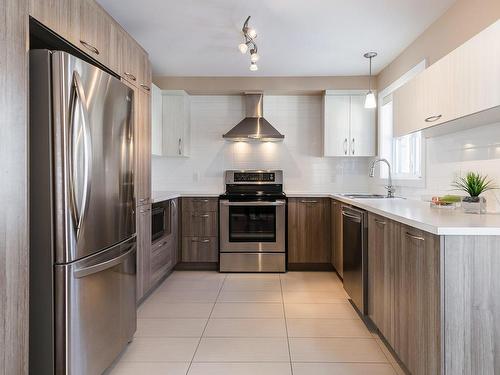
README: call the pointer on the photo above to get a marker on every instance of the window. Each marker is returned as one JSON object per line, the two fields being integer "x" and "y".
{"x": 404, "y": 153}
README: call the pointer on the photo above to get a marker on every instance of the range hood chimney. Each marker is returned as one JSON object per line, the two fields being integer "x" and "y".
{"x": 253, "y": 126}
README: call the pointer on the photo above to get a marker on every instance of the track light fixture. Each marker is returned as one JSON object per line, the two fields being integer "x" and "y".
{"x": 250, "y": 34}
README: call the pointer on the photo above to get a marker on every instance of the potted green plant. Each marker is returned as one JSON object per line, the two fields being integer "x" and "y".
{"x": 474, "y": 184}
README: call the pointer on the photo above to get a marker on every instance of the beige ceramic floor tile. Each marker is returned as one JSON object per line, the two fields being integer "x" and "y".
{"x": 320, "y": 310}
{"x": 327, "y": 328}
{"x": 153, "y": 349}
{"x": 185, "y": 295}
{"x": 321, "y": 296}
{"x": 256, "y": 296}
{"x": 248, "y": 310}
{"x": 342, "y": 369}
{"x": 252, "y": 284}
{"x": 150, "y": 368}
{"x": 245, "y": 328}
{"x": 240, "y": 369}
{"x": 190, "y": 284}
{"x": 308, "y": 276}
{"x": 259, "y": 276}
{"x": 242, "y": 350}
{"x": 152, "y": 309}
{"x": 290, "y": 285}
{"x": 174, "y": 327}
{"x": 335, "y": 350}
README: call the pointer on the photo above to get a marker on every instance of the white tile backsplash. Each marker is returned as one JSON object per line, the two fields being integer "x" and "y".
{"x": 299, "y": 155}
{"x": 455, "y": 154}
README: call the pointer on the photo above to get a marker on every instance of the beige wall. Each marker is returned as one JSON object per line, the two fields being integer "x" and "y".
{"x": 274, "y": 85}
{"x": 462, "y": 20}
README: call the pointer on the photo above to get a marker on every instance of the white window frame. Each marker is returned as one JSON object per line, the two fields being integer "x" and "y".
{"x": 386, "y": 135}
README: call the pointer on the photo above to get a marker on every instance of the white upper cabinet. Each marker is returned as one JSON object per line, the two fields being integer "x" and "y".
{"x": 461, "y": 90}
{"x": 171, "y": 122}
{"x": 349, "y": 128}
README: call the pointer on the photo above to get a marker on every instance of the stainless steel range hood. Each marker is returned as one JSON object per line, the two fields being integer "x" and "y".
{"x": 253, "y": 126}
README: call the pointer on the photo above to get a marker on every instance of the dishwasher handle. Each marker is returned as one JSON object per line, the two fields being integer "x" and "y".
{"x": 355, "y": 218}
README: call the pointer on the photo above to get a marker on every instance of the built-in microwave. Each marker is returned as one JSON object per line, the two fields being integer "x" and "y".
{"x": 161, "y": 222}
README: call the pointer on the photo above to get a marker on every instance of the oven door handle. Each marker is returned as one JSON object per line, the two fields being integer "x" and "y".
{"x": 257, "y": 203}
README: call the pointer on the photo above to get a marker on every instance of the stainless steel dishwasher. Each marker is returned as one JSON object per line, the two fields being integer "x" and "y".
{"x": 354, "y": 232}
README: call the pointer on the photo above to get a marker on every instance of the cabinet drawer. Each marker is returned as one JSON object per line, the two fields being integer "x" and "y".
{"x": 200, "y": 204}
{"x": 199, "y": 249}
{"x": 201, "y": 223}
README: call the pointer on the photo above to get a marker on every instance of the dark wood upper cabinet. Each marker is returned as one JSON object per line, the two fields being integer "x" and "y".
{"x": 309, "y": 230}
{"x": 336, "y": 236}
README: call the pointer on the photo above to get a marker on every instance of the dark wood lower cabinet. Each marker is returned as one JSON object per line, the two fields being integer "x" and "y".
{"x": 417, "y": 302}
{"x": 383, "y": 242}
{"x": 309, "y": 231}
{"x": 336, "y": 236}
{"x": 199, "y": 233}
{"x": 404, "y": 292}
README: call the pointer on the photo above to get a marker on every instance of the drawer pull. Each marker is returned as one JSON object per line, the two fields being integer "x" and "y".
{"x": 433, "y": 118}
{"x": 130, "y": 75}
{"x": 145, "y": 87}
{"x": 206, "y": 240}
{"x": 90, "y": 47}
{"x": 380, "y": 222}
{"x": 202, "y": 216}
{"x": 308, "y": 201}
{"x": 418, "y": 238}
{"x": 145, "y": 211}
{"x": 201, "y": 200}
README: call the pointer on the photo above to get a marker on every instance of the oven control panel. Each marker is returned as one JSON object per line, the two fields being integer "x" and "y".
{"x": 254, "y": 177}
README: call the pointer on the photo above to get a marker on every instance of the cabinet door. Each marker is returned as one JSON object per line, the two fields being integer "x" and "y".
{"x": 337, "y": 237}
{"x": 143, "y": 146}
{"x": 144, "y": 73}
{"x": 156, "y": 121}
{"x": 176, "y": 123}
{"x": 95, "y": 31}
{"x": 417, "y": 299}
{"x": 130, "y": 59}
{"x": 54, "y": 14}
{"x": 309, "y": 230}
{"x": 143, "y": 220}
{"x": 362, "y": 130}
{"x": 199, "y": 249}
{"x": 336, "y": 125}
{"x": 174, "y": 243}
{"x": 383, "y": 243}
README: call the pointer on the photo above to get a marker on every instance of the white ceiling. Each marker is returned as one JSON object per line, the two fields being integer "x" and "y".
{"x": 295, "y": 37}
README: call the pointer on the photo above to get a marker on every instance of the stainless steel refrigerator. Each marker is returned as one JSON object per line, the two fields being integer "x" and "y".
{"x": 82, "y": 219}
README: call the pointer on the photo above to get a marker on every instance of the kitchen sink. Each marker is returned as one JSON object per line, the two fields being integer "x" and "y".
{"x": 365, "y": 196}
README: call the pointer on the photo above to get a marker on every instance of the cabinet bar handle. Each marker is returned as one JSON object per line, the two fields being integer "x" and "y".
{"x": 353, "y": 146}
{"x": 180, "y": 146}
{"x": 202, "y": 241}
{"x": 145, "y": 87}
{"x": 307, "y": 201}
{"x": 130, "y": 75}
{"x": 204, "y": 216}
{"x": 380, "y": 222}
{"x": 90, "y": 47}
{"x": 415, "y": 237}
{"x": 345, "y": 146}
{"x": 201, "y": 200}
{"x": 144, "y": 211}
{"x": 433, "y": 118}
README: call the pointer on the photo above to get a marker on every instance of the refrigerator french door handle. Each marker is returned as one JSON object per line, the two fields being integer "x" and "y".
{"x": 86, "y": 271}
{"x": 78, "y": 95}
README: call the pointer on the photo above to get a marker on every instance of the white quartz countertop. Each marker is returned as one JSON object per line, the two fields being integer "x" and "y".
{"x": 420, "y": 215}
{"x": 415, "y": 213}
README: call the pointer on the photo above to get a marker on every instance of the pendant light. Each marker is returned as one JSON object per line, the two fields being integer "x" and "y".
{"x": 370, "y": 100}
{"x": 249, "y": 34}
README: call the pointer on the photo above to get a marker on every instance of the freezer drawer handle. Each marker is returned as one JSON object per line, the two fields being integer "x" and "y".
{"x": 102, "y": 266}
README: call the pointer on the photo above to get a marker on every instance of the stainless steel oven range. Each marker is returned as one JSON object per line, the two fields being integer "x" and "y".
{"x": 252, "y": 222}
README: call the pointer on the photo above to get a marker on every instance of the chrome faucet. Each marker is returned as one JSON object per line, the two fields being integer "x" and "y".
{"x": 389, "y": 187}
